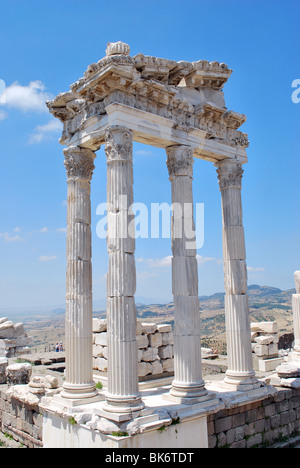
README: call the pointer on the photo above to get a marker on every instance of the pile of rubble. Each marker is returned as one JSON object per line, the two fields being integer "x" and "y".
{"x": 155, "y": 348}
{"x": 264, "y": 338}
{"x": 13, "y": 339}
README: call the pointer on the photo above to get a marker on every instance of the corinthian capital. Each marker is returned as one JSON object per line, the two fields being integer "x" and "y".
{"x": 79, "y": 162}
{"x": 230, "y": 173}
{"x": 118, "y": 144}
{"x": 180, "y": 160}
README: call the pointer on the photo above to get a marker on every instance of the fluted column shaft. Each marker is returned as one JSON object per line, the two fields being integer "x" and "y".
{"x": 187, "y": 342}
{"x": 240, "y": 369}
{"x": 296, "y": 317}
{"x": 79, "y": 383}
{"x": 123, "y": 394}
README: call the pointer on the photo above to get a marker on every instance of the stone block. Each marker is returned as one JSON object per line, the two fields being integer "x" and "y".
{"x": 144, "y": 368}
{"x": 99, "y": 325}
{"x": 155, "y": 340}
{"x": 261, "y": 350}
{"x": 101, "y": 364}
{"x": 267, "y": 365}
{"x": 157, "y": 368}
{"x": 150, "y": 354}
{"x": 264, "y": 327}
{"x": 166, "y": 352}
{"x": 18, "y": 374}
{"x": 264, "y": 339}
{"x": 167, "y": 338}
{"x": 101, "y": 339}
{"x": 168, "y": 365}
{"x": 142, "y": 341}
{"x": 148, "y": 328}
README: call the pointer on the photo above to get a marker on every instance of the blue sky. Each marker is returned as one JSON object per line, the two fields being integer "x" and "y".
{"x": 46, "y": 46}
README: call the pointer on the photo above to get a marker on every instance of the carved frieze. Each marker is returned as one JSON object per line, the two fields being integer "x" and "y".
{"x": 153, "y": 85}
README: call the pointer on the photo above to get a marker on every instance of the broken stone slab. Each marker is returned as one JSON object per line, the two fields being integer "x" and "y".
{"x": 164, "y": 328}
{"x": 19, "y": 330}
{"x": 264, "y": 339}
{"x": 7, "y": 329}
{"x": 264, "y": 327}
{"x": 288, "y": 370}
{"x": 18, "y": 374}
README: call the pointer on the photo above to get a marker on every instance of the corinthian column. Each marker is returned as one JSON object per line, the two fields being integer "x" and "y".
{"x": 188, "y": 381}
{"x": 240, "y": 371}
{"x": 79, "y": 383}
{"x": 123, "y": 395}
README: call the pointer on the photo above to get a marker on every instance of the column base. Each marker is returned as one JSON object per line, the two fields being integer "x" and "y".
{"x": 241, "y": 381}
{"x": 188, "y": 393}
{"x": 77, "y": 395}
{"x": 123, "y": 405}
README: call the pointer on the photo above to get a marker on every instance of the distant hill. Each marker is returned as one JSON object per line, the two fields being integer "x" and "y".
{"x": 266, "y": 304}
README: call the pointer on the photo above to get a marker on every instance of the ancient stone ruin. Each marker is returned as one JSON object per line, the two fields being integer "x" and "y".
{"x": 180, "y": 108}
{"x": 13, "y": 339}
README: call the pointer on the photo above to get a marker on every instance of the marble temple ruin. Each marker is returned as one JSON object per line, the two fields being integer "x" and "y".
{"x": 180, "y": 108}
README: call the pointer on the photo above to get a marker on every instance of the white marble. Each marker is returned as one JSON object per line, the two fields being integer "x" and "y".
{"x": 188, "y": 381}
{"x": 240, "y": 374}
{"x": 123, "y": 394}
{"x": 79, "y": 382}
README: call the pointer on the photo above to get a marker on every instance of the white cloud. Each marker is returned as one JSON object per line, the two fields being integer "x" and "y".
{"x": 29, "y": 98}
{"x": 44, "y": 229}
{"x": 47, "y": 258}
{"x": 45, "y": 132}
{"x": 201, "y": 260}
{"x": 156, "y": 262}
{"x": 8, "y": 238}
{"x": 255, "y": 269}
{"x": 63, "y": 230}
